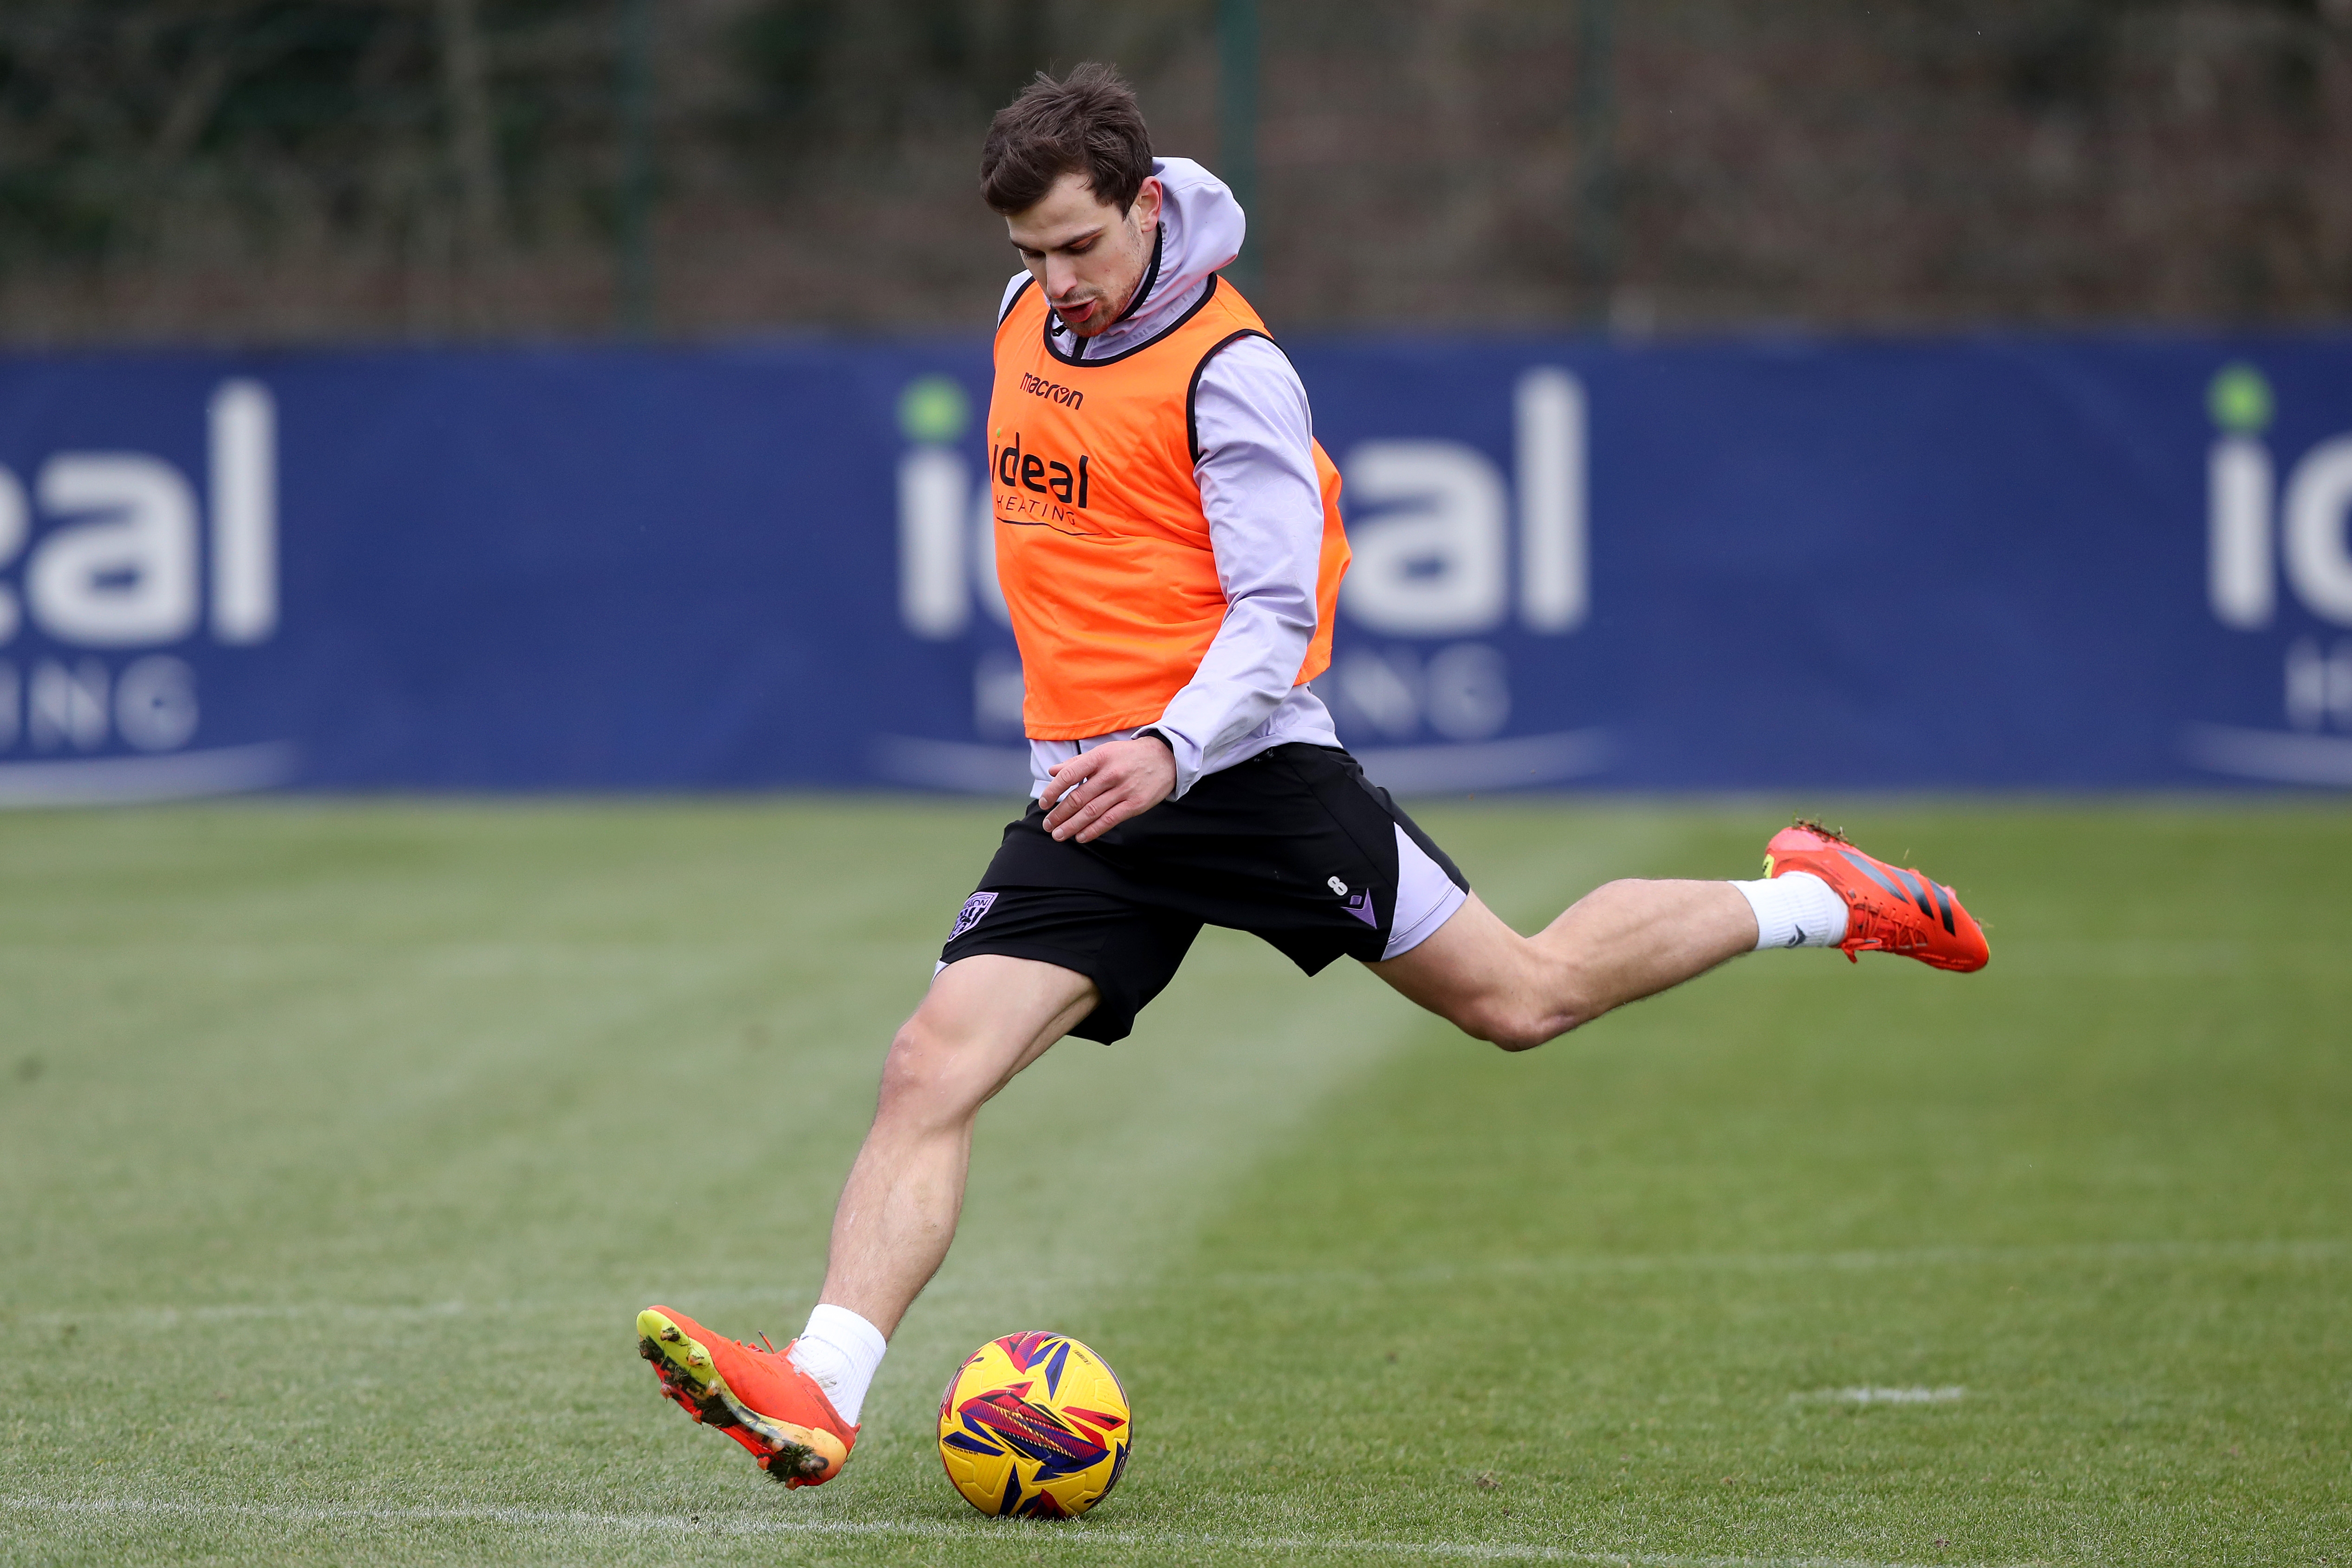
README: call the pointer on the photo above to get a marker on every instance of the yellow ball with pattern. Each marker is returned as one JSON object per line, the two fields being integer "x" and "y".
{"x": 1034, "y": 1425}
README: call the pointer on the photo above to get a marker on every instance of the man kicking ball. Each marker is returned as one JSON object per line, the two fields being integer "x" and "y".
{"x": 1168, "y": 540}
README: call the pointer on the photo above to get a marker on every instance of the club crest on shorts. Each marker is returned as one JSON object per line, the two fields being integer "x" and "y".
{"x": 968, "y": 916}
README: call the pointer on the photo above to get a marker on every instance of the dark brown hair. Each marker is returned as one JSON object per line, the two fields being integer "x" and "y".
{"x": 1088, "y": 123}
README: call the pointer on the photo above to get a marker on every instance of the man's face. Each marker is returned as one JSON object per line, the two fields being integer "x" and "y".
{"x": 1086, "y": 255}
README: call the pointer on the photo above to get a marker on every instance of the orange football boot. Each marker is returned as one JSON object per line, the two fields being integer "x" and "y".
{"x": 756, "y": 1397}
{"x": 1888, "y": 909}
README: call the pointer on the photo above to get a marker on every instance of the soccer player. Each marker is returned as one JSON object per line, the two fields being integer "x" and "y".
{"x": 1168, "y": 540}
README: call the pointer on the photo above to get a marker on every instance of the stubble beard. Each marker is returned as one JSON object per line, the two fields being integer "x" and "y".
{"x": 1106, "y": 313}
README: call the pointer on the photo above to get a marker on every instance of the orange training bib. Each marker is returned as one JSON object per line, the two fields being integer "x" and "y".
{"x": 1101, "y": 545}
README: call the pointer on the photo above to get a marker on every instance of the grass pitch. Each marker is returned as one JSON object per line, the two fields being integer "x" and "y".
{"x": 339, "y": 1145}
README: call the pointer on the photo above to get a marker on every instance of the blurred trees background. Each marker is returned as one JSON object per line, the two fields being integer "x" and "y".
{"x": 384, "y": 170}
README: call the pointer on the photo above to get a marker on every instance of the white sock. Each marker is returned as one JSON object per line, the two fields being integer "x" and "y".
{"x": 841, "y": 1351}
{"x": 1795, "y": 909}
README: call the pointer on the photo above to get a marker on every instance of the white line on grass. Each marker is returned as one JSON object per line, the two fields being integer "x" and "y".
{"x": 1888, "y": 1395}
{"x": 1857, "y": 1261}
{"x": 1058, "y": 1534}
{"x": 1590, "y": 1264}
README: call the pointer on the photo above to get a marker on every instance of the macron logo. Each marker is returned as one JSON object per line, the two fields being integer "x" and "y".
{"x": 1052, "y": 391}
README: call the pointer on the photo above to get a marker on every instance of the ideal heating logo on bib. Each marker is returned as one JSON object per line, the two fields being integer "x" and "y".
{"x": 2278, "y": 561}
{"x": 1450, "y": 552}
{"x": 111, "y": 571}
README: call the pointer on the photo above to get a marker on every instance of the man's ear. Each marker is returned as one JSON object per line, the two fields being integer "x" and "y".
{"x": 1147, "y": 202}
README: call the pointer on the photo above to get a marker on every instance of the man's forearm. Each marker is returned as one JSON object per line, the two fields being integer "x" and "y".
{"x": 1264, "y": 505}
{"x": 1243, "y": 678}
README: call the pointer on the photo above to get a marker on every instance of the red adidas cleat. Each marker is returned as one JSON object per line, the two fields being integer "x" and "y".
{"x": 756, "y": 1397}
{"x": 1888, "y": 909}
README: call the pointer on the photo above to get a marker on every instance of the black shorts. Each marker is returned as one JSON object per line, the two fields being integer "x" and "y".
{"x": 1295, "y": 845}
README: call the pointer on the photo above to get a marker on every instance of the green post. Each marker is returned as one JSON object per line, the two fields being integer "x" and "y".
{"x": 636, "y": 293}
{"x": 1596, "y": 195}
{"x": 1237, "y": 127}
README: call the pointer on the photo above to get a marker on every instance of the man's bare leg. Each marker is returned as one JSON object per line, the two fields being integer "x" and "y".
{"x": 984, "y": 1018}
{"x": 1618, "y": 943}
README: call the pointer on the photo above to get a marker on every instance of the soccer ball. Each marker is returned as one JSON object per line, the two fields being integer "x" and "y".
{"x": 1034, "y": 1424}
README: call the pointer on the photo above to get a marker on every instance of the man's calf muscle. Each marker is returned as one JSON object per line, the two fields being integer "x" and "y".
{"x": 1620, "y": 943}
{"x": 984, "y": 1018}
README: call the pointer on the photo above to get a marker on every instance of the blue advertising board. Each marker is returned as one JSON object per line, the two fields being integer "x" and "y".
{"x": 2000, "y": 561}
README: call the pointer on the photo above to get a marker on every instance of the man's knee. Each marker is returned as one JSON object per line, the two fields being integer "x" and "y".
{"x": 983, "y": 1020}
{"x": 1509, "y": 1023}
{"x": 929, "y": 1075}
{"x": 1514, "y": 1006}
{"x": 1485, "y": 979}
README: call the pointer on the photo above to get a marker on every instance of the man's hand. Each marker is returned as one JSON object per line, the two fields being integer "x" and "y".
{"x": 1094, "y": 791}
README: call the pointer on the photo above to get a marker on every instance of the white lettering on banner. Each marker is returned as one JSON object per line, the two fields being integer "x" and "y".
{"x": 1434, "y": 565}
{"x": 124, "y": 562}
{"x": 155, "y": 702}
{"x": 1378, "y": 690}
{"x": 947, "y": 545}
{"x": 1430, "y": 562}
{"x": 1469, "y": 692}
{"x": 997, "y": 694}
{"x": 2242, "y": 568}
{"x": 2243, "y": 564}
{"x": 2317, "y": 556}
{"x": 934, "y": 485}
{"x": 2239, "y": 574}
{"x": 15, "y": 526}
{"x": 1554, "y": 595}
{"x": 2318, "y": 686}
{"x": 1429, "y": 522}
{"x": 1463, "y": 693}
{"x": 1442, "y": 543}
{"x": 245, "y": 512}
{"x": 66, "y": 707}
{"x": 127, "y": 577}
